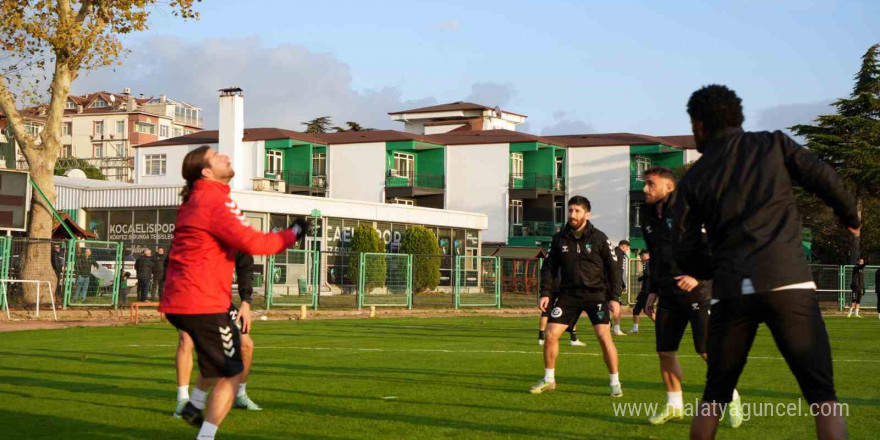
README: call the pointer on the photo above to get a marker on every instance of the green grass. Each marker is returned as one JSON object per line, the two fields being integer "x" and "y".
{"x": 450, "y": 378}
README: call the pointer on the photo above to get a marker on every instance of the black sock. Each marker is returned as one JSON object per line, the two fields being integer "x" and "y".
{"x": 574, "y": 336}
{"x": 540, "y": 335}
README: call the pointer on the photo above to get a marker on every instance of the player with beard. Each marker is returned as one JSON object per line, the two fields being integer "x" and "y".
{"x": 588, "y": 273}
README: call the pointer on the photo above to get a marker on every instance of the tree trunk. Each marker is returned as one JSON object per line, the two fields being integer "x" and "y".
{"x": 36, "y": 255}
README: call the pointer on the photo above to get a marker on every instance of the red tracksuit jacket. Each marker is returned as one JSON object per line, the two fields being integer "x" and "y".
{"x": 210, "y": 229}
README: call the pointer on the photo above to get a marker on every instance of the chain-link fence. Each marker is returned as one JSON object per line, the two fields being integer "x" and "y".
{"x": 30, "y": 265}
{"x": 338, "y": 284}
{"x": 478, "y": 282}
{"x": 827, "y": 279}
{"x": 429, "y": 270}
{"x": 93, "y": 274}
{"x": 635, "y": 269}
{"x": 385, "y": 280}
{"x": 520, "y": 281}
{"x": 869, "y": 297}
{"x": 293, "y": 279}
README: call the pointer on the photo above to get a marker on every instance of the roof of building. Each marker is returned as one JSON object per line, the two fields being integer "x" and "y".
{"x": 514, "y": 252}
{"x": 610, "y": 139}
{"x": 250, "y": 134}
{"x": 685, "y": 141}
{"x": 359, "y": 137}
{"x": 451, "y": 107}
{"x": 488, "y": 137}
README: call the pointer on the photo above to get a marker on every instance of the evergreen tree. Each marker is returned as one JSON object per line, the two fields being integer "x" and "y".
{"x": 421, "y": 242}
{"x": 367, "y": 240}
{"x": 318, "y": 125}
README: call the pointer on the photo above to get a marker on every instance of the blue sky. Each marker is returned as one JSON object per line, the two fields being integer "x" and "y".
{"x": 570, "y": 65}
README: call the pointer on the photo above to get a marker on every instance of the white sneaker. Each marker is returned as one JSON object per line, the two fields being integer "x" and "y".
{"x": 542, "y": 386}
{"x": 618, "y": 333}
{"x": 578, "y": 343}
{"x": 616, "y": 390}
{"x": 633, "y": 331}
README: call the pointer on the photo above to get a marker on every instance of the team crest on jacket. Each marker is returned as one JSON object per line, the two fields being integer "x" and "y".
{"x": 669, "y": 223}
{"x": 589, "y": 247}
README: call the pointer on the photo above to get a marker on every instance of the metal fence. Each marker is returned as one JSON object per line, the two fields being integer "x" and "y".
{"x": 478, "y": 282}
{"x": 869, "y": 299}
{"x": 92, "y": 273}
{"x": 385, "y": 280}
{"x": 292, "y": 279}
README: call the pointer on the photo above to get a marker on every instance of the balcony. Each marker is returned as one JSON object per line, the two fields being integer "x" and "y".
{"x": 534, "y": 229}
{"x": 413, "y": 184}
{"x": 532, "y": 185}
{"x": 300, "y": 182}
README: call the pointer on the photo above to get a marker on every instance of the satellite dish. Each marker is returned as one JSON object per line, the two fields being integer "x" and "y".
{"x": 75, "y": 173}
{"x": 497, "y": 111}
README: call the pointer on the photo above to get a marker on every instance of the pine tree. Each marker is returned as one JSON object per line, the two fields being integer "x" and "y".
{"x": 367, "y": 240}
{"x": 849, "y": 141}
{"x": 421, "y": 242}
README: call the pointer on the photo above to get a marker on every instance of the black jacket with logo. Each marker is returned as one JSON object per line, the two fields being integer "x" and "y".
{"x": 645, "y": 279}
{"x": 244, "y": 274}
{"x": 657, "y": 230}
{"x": 741, "y": 191}
{"x": 624, "y": 265}
{"x": 585, "y": 267}
{"x": 858, "y": 279}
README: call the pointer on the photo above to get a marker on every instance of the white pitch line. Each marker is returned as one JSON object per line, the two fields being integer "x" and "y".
{"x": 426, "y": 350}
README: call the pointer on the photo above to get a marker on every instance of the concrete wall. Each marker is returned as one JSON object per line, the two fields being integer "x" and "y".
{"x": 357, "y": 171}
{"x": 476, "y": 181}
{"x": 602, "y": 175}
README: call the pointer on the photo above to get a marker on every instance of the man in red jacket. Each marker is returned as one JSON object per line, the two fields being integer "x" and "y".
{"x": 198, "y": 294}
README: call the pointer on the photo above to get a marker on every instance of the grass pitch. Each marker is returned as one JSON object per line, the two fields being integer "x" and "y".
{"x": 400, "y": 378}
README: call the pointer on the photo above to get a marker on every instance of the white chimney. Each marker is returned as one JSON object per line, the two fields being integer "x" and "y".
{"x": 126, "y": 91}
{"x": 162, "y": 98}
{"x": 231, "y": 133}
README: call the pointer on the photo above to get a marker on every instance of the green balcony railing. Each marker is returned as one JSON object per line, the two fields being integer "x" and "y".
{"x": 301, "y": 178}
{"x": 536, "y": 181}
{"x": 395, "y": 179}
{"x": 534, "y": 229}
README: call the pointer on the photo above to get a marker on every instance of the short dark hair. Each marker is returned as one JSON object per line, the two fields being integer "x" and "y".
{"x": 624, "y": 242}
{"x": 644, "y": 252}
{"x": 717, "y": 107}
{"x": 580, "y": 200}
{"x": 663, "y": 172}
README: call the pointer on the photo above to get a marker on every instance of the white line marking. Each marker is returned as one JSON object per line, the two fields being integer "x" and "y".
{"x": 561, "y": 353}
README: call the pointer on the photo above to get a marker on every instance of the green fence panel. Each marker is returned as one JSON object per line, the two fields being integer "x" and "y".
{"x": 477, "y": 281}
{"x": 92, "y": 275}
{"x": 385, "y": 280}
{"x": 292, "y": 279}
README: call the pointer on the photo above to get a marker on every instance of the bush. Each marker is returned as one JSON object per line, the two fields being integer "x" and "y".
{"x": 366, "y": 239}
{"x": 420, "y": 242}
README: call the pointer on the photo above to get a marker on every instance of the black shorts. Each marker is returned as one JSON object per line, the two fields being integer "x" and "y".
{"x": 217, "y": 340}
{"x": 641, "y": 302}
{"x": 796, "y": 324}
{"x": 673, "y": 315}
{"x": 567, "y": 309}
{"x": 857, "y": 297}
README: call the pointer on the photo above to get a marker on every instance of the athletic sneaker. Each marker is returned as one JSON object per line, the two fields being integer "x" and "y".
{"x": 619, "y": 333}
{"x": 540, "y": 342}
{"x": 245, "y": 402}
{"x": 192, "y": 415}
{"x": 542, "y": 386}
{"x": 849, "y": 315}
{"x": 633, "y": 331}
{"x": 859, "y": 316}
{"x": 179, "y": 409}
{"x": 667, "y": 414}
{"x": 734, "y": 413}
{"x": 616, "y": 390}
{"x": 578, "y": 343}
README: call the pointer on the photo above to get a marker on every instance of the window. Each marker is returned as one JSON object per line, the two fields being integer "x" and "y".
{"x": 516, "y": 212}
{"x": 66, "y": 128}
{"x": 98, "y": 150}
{"x": 635, "y": 217}
{"x": 98, "y": 128}
{"x": 516, "y": 164}
{"x": 155, "y": 164}
{"x": 403, "y": 164}
{"x": 642, "y": 164}
{"x": 177, "y": 131}
{"x": 399, "y": 201}
{"x": 559, "y": 211}
{"x": 163, "y": 131}
{"x": 66, "y": 150}
{"x": 145, "y": 127}
{"x": 120, "y": 127}
{"x": 274, "y": 160}
{"x": 188, "y": 132}
{"x": 120, "y": 149}
{"x": 100, "y": 103}
{"x": 560, "y": 169}
{"x": 32, "y": 128}
{"x": 70, "y": 105}
{"x": 319, "y": 164}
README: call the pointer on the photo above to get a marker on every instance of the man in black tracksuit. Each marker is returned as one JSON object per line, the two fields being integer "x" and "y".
{"x": 582, "y": 259}
{"x": 680, "y": 298}
{"x": 143, "y": 267}
{"x": 857, "y": 285}
{"x": 644, "y": 292}
{"x": 740, "y": 191}
{"x": 158, "y": 283}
